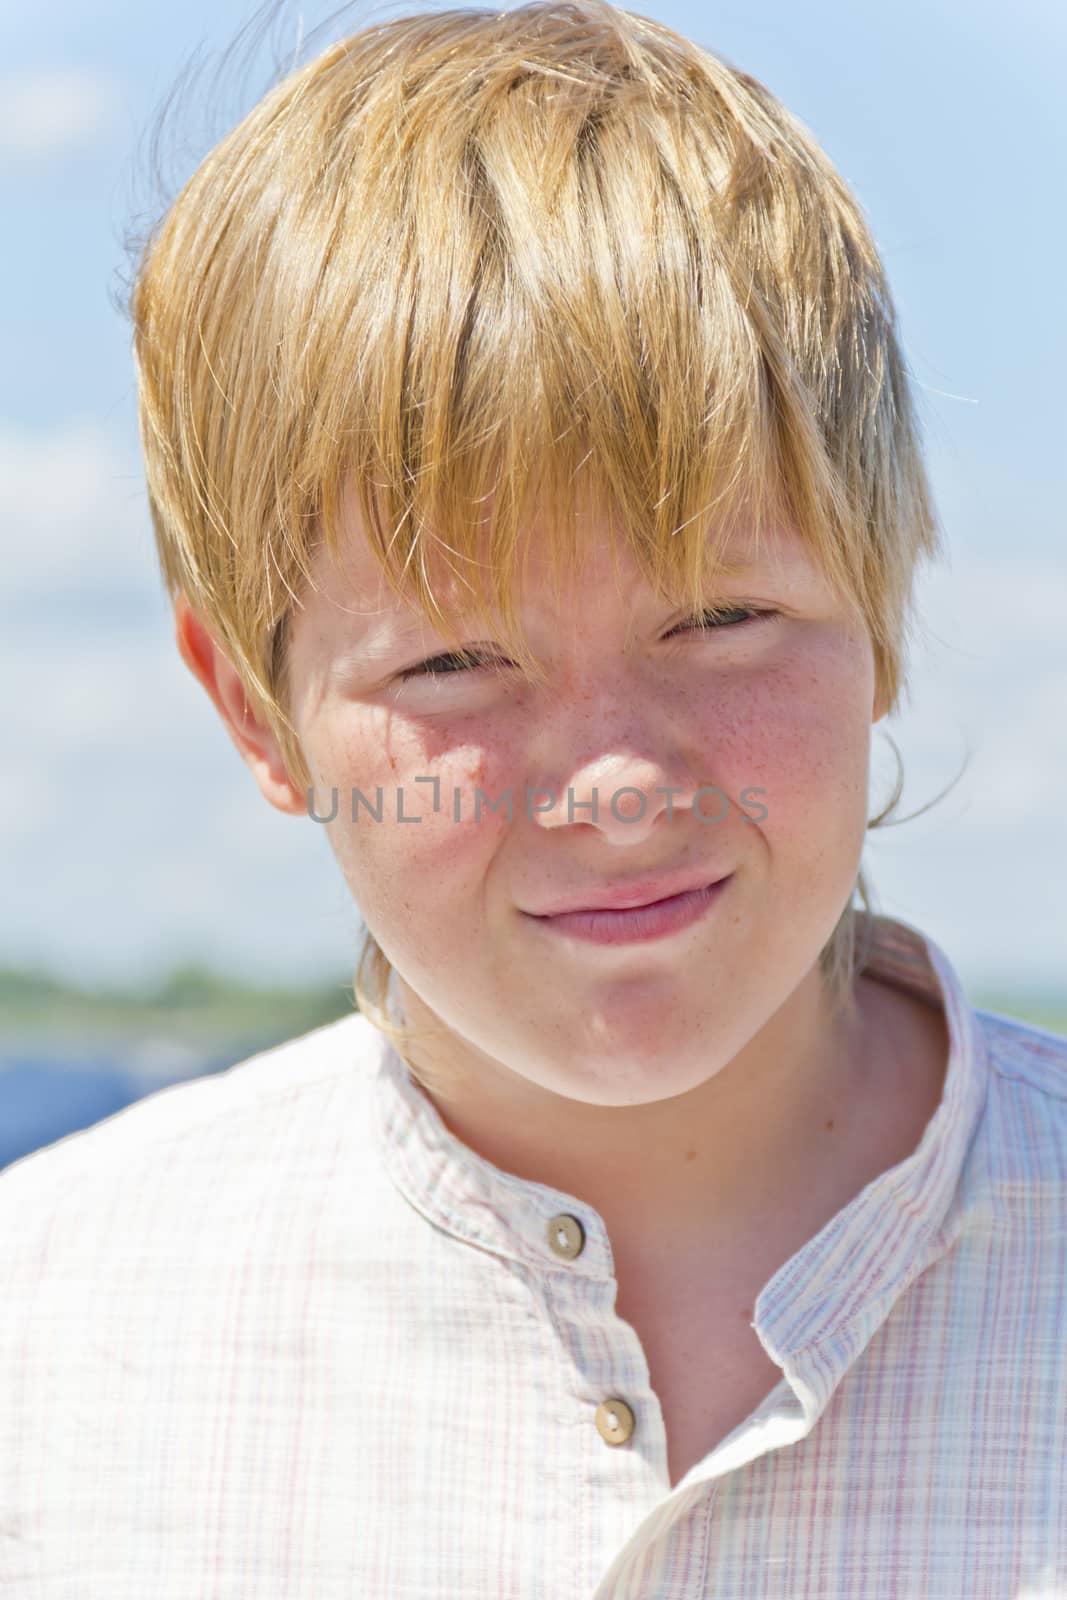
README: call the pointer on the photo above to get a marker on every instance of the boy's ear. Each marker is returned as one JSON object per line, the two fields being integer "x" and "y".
{"x": 209, "y": 663}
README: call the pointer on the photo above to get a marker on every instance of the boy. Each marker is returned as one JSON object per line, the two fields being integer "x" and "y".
{"x": 534, "y": 471}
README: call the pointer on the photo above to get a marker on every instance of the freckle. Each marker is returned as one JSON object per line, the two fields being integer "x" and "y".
{"x": 746, "y": 1312}
{"x": 690, "y": 1155}
{"x": 830, "y": 1124}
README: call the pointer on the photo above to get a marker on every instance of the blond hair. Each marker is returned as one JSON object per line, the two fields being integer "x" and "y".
{"x": 471, "y": 255}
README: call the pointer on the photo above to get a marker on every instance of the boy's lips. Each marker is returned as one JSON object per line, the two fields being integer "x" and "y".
{"x": 624, "y": 894}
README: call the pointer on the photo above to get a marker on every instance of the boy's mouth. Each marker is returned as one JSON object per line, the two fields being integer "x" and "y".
{"x": 631, "y": 894}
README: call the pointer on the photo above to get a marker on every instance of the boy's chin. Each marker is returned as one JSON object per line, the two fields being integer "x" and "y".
{"x": 626, "y": 1069}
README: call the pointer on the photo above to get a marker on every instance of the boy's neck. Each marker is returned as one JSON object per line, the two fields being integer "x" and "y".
{"x": 809, "y": 1111}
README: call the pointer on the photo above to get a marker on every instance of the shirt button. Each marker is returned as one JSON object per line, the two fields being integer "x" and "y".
{"x": 614, "y": 1421}
{"x": 566, "y": 1236}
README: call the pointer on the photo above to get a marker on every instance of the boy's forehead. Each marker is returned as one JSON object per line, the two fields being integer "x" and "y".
{"x": 354, "y": 579}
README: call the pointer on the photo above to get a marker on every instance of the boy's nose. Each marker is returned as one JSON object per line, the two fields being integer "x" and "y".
{"x": 625, "y": 798}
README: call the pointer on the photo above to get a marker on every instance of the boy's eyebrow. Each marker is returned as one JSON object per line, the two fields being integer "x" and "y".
{"x": 381, "y": 639}
{"x": 367, "y": 648}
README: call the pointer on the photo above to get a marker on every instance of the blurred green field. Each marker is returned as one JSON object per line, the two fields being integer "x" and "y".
{"x": 192, "y": 1004}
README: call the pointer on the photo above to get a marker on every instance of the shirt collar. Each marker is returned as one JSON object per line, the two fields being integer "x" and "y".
{"x": 832, "y": 1295}
{"x": 839, "y": 1287}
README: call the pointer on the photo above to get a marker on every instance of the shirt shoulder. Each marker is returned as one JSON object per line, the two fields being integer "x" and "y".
{"x": 220, "y": 1129}
{"x": 1031, "y": 1055}
{"x": 1026, "y": 1114}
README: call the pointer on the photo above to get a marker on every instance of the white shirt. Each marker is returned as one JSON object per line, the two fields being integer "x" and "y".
{"x": 278, "y": 1334}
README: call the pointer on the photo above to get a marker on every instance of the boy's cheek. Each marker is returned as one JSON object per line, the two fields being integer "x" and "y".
{"x": 427, "y": 835}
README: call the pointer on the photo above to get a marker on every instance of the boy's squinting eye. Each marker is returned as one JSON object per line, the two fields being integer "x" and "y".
{"x": 702, "y": 623}
{"x": 462, "y": 662}
{"x": 452, "y": 661}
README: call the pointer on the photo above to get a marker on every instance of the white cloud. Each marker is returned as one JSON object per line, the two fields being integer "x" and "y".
{"x": 992, "y": 678}
{"x": 982, "y": 871}
{"x": 49, "y": 111}
{"x": 73, "y": 509}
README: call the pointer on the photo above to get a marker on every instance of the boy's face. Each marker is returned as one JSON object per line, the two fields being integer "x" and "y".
{"x": 780, "y": 705}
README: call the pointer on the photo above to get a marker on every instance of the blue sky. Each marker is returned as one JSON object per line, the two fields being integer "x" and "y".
{"x": 135, "y": 837}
